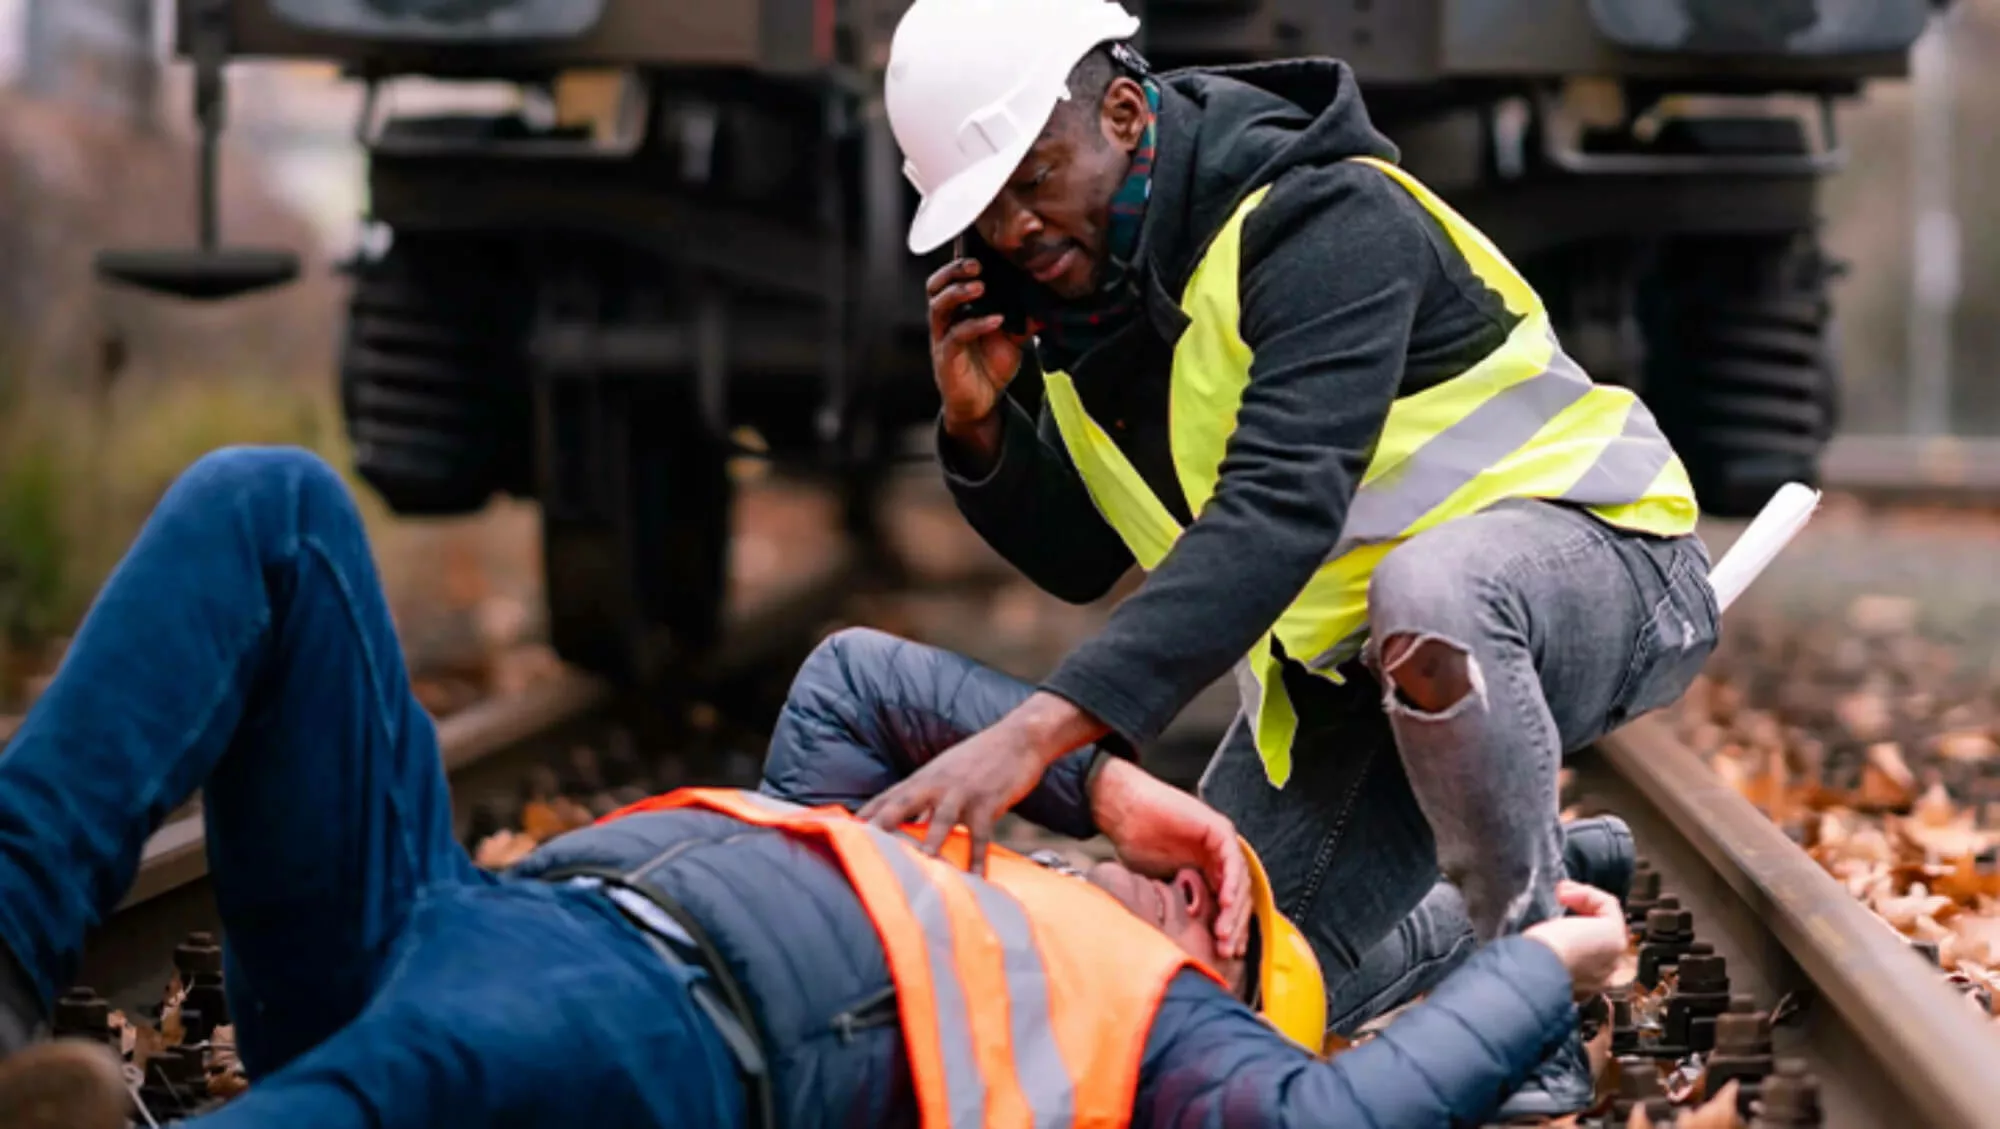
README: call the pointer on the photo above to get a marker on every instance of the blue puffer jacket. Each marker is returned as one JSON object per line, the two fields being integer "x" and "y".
{"x": 865, "y": 710}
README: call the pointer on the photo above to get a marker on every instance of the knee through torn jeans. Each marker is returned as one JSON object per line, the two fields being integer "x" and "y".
{"x": 1555, "y": 628}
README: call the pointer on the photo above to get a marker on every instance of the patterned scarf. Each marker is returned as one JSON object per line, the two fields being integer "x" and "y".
{"x": 1068, "y": 330}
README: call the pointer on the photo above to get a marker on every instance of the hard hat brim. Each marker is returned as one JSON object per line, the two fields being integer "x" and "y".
{"x": 943, "y": 214}
{"x": 1291, "y": 983}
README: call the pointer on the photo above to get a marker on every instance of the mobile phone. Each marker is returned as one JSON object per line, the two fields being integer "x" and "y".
{"x": 1004, "y": 284}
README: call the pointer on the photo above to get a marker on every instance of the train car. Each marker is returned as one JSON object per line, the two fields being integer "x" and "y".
{"x": 690, "y": 228}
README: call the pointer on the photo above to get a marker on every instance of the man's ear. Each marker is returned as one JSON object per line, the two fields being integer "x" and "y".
{"x": 1123, "y": 113}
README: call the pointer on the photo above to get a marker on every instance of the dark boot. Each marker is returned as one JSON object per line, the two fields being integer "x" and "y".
{"x": 1560, "y": 1086}
{"x": 65, "y": 1084}
{"x": 1598, "y": 852}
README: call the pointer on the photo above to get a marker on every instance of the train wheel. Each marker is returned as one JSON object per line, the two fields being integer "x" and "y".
{"x": 433, "y": 376}
{"x": 1740, "y": 366}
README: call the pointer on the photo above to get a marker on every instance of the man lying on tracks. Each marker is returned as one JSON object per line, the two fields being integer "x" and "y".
{"x": 706, "y": 958}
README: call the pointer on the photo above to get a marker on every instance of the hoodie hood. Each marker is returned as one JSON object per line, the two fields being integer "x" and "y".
{"x": 1226, "y": 131}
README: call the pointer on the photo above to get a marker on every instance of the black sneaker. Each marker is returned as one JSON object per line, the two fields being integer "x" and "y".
{"x": 1598, "y": 852}
{"x": 1560, "y": 1086}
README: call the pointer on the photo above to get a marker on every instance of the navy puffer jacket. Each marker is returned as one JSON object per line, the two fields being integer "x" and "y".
{"x": 865, "y": 711}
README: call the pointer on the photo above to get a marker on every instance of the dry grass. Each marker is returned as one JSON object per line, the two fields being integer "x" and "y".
{"x": 79, "y": 475}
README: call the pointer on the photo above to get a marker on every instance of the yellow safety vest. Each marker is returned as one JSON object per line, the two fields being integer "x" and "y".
{"x": 1524, "y": 422}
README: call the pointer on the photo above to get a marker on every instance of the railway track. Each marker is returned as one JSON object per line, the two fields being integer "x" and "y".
{"x": 1887, "y": 1041}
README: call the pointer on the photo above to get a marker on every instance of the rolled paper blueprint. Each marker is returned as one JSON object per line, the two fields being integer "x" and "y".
{"x": 1767, "y": 535}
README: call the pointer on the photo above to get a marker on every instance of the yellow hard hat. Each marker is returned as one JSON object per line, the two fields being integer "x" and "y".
{"x": 1290, "y": 989}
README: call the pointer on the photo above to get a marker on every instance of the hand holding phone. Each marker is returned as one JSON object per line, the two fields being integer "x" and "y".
{"x": 974, "y": 353}
{"x": 1002, "y": 288}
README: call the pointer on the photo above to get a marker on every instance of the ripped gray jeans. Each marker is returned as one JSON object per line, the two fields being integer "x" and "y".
{"x": 1406, "y": 835}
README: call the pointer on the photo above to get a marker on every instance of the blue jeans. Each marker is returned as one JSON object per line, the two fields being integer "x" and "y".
{"x": 1405, "y": 837}
{"x": 375, "y": 976}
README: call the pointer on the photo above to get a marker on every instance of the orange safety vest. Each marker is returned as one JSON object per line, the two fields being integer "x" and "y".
{"x": 1025, "y": 997}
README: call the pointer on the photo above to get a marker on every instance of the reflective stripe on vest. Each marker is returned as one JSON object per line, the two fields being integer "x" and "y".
{"x": 1025, "y": 997}
{"x": 1523, "y": 422}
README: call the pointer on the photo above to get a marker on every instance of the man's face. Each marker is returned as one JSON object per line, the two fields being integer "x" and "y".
{"x": 1051, "y": 218}
{"x": 1182, "y": 908}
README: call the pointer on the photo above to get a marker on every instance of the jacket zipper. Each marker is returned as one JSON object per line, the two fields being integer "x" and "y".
{"x": 878, "y": 1010}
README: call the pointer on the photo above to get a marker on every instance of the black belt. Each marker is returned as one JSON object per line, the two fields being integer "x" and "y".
{"x": 730, "y": 1015}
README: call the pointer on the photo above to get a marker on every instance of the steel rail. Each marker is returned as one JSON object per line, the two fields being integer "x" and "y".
{"x": 1903, "y": 469}
{"x": 1891, "y": 1043}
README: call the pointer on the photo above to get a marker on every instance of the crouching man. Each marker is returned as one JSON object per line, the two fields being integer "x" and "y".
{"x": 704, "y": 958}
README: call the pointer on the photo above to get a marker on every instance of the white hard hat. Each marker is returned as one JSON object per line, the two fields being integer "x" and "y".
{"x": 971, "y": 83}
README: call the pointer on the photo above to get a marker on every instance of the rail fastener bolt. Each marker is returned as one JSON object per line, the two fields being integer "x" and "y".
{"x": 1645, "y": 894}
{"x": 1639, "y": 1084}
{"x": 1790, "y": 1099}
{"x": 81, "y": 1013}
{"x": 176, "y": 1082}
{"x": 1669, "y": 932}
{"x": 205, "y": 1006}
{"x": 1742, "y": 1054}
{"x": 1701, "y": 993}
{"x": 1624, "y": 1031}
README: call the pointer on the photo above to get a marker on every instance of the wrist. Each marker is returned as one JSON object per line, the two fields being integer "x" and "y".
{"x": 1098, "y": 757}
{"x": 978, "y": 435}
{"x": 1108, "y": 792}
{"x": 1054, "y": 727}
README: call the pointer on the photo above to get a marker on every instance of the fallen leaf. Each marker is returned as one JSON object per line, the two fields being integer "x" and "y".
{"x": 146, "y": 1042}
{"x": 1937, "y": 831}
{"x": 1903, "y": 912}
{"x": 541, "y": 821}
{"x": 172, "y": 1032}
{"x": 1972, "y": 746}
{"x": 1683, "y": 1080}
{"x": 1934, "y": 808}
{"x": 1886, "y": 781}
{"x": 1975, "y": 937}
{"x": 1882, "y": 617}
{"x": 1865, "y": 715}
{"x": 128, "y": 1036}
{"x": 502, "y": 621}
{"x": 572, "y": 814}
